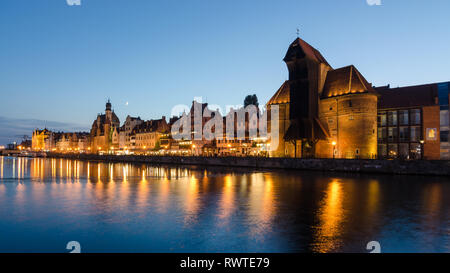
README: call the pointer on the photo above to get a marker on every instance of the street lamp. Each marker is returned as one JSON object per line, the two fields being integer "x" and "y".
{"x": 421, "y": 148}
{"x": 334, "y": 148}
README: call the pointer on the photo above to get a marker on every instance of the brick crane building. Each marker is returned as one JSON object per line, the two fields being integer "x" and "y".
{"x": 337, "y": 113}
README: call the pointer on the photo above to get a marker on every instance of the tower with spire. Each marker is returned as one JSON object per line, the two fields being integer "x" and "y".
{"x": 102, "y": 128}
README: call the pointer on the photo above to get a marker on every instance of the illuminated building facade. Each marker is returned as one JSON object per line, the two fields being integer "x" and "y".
{"x": 324, "y": 112}
{"x": 39, "y": 139}
{"x": 102, "y": 130}
{"x": 71, "y": 142}
{"x": 148, "y": 134}
{"x": 337, "y": 113}
{"x": 413, "y": 122}
{"x": 124, "y": 135}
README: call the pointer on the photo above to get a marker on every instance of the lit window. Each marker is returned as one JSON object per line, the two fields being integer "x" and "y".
{"x": 431, "y": 133}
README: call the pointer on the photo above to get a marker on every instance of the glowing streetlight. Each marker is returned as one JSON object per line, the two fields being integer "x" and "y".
{"x": 421, "y": 148}
{"x": 334, "y": 148}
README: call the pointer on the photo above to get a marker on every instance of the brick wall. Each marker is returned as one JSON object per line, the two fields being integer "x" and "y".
{"x": 432, "y": 145}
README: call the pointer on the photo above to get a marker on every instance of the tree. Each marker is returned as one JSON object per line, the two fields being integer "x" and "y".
{"x": 157, "y": 146}
{"x": 251, "y": 100}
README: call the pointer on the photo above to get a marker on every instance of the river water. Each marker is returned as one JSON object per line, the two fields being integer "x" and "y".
{"x": 45, "y": 203}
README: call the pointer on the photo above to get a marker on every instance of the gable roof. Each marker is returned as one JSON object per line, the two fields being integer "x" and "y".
{"x": 300, "y": 49}
{"x": 282, "y": 95}
{"x": 344, "y": 81}
{"x": 154, "y": 125}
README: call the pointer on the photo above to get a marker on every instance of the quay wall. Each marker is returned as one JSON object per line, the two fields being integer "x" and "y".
{"x": 413, "y": 167}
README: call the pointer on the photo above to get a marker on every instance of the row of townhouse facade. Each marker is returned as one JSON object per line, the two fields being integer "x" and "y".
{"x": 156, "y": 137}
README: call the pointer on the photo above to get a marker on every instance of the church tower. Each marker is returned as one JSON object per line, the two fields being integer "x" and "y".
{"x": 108, "y": 111}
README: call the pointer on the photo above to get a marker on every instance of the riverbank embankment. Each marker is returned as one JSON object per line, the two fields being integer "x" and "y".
{"x": 411, "y": 167}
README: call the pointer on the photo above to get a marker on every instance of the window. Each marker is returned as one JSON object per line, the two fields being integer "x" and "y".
{"x": 415, "y": 134}
{"x": 392, "y": 118}
{"x": 403, "y": 150}
{"x": 432, "y": 134}
{"x": 382, "y": 119}
{"x": 415, "y": 151}
{"x": 415, "y": 116}
{"x": 444, "y": 136}
{"x": 404, "y": 134}
{"x": 403, "y": 116}
{"x": 444, "y": 118}
{"x": 392, "y": 150}
{"x": 382, "y": 134}
{"x": 392, "y": 134}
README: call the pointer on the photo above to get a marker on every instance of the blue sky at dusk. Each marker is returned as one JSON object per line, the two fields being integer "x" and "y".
{"x": 59, "y": 63}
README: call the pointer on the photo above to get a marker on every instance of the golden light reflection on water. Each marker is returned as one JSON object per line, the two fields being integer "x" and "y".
{"x": 331, "y": 215}
{"x": 227, "y": 199}
{"x": 251, "y": 203}
{"x": 373, "y": 198}
{"x": 191, "y": 201}
{"x": 163, "y": 200}
{"x": 142, "y": 192}
{"x": 1, "y": 167}
{"x": 262, "y": 203}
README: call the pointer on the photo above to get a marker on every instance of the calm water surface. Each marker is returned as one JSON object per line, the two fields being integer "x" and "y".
{"x": 45, "y": 203}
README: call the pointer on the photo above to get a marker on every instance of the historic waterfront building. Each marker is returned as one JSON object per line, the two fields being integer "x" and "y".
{"x": 126, "y": 140}
{"x": 413, "y": 122}
{"x": 324, "y": 112}
{"x": 71, "y": 142}
{"x": 337, "y": 113}
{"x": 40, "y": 139}
{"x": 148, "y": 134}
{"x": 46, "y": 140}
{"x": 102, "y": 130}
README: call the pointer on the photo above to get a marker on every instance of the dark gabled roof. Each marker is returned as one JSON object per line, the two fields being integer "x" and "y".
{"x": 115, "y": 119}
{"x": 156, "y": 125}
{"x": 133, "y": 118}
{"x": 411, "y": 96}
{"x": 344, "y": 81}
{"x": 172, "y": 120}
{"x": 282, "y": 95}
{"x": 300, "y": 49}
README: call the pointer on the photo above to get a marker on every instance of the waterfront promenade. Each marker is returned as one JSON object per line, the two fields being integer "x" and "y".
{"x": 411, "y": 167}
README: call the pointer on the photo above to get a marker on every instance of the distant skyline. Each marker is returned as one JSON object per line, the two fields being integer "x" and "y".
{"x": 60, "y": 63}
